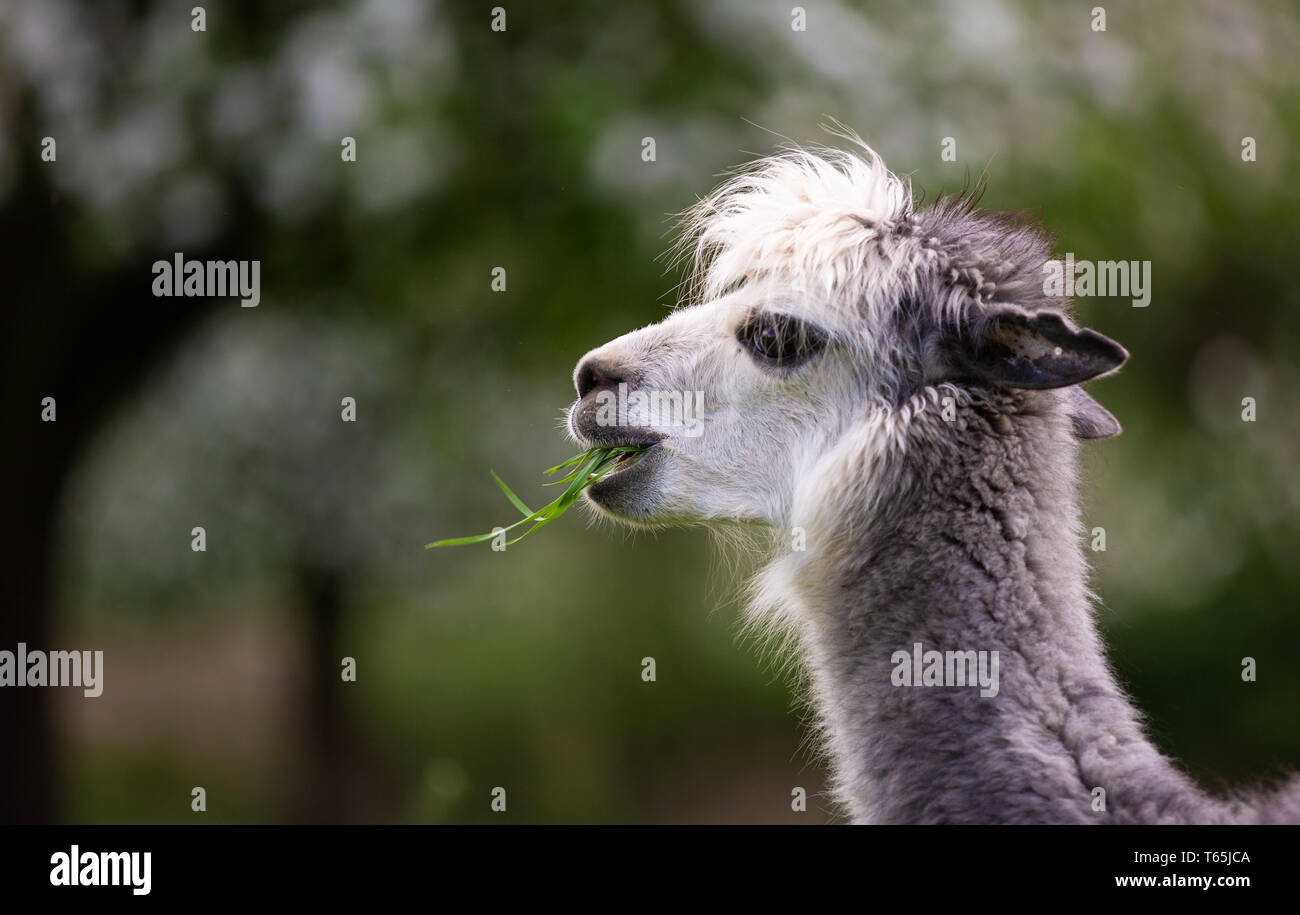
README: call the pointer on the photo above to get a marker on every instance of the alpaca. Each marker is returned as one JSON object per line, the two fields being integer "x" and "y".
{"x": 893, "y": 398}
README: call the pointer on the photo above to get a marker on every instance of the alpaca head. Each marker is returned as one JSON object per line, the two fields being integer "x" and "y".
{"x": 825, "y": 313}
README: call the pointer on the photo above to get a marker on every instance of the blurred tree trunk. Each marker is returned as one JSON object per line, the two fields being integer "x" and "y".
{"x": 343, "y": 779}
{"x": 325, "y": 792}
{"x": 83, "y": 340}
{"x": 27, "y": 763}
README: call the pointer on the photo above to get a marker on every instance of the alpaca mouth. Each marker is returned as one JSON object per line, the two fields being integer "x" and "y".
{"x": 626, "y": 489}
{"x": 627, "y": 459}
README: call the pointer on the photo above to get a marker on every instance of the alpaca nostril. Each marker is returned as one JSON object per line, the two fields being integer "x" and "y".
{"x": 595, "y": 373}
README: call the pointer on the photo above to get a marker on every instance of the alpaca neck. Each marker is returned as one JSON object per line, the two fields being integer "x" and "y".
{"x": 978, "y": 552}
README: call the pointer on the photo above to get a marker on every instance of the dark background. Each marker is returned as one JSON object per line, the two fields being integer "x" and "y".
{"x": 522, "y": 149}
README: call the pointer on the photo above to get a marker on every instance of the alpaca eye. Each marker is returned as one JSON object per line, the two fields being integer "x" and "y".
{"x": 779, "y": 340}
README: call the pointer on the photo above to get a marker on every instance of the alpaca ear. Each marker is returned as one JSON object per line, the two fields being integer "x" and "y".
{"x": 1014, "y": 348}
{"x": 1090, "y": 419}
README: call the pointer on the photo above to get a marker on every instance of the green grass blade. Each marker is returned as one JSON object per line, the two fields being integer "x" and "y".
{"x": 588, "y": 468}
{"x": 569, "y": 463}
{"x": 460, "y": 541}
{"x": 585, "y": 471}
{"x": 514, "y": 499}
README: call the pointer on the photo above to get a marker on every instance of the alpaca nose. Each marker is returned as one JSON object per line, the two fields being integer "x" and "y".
{"x": 596, "y": 372}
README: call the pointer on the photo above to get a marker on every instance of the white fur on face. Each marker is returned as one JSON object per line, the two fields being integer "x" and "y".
{"x": 760, "y": 426}
{"x": 806, "y": 235}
